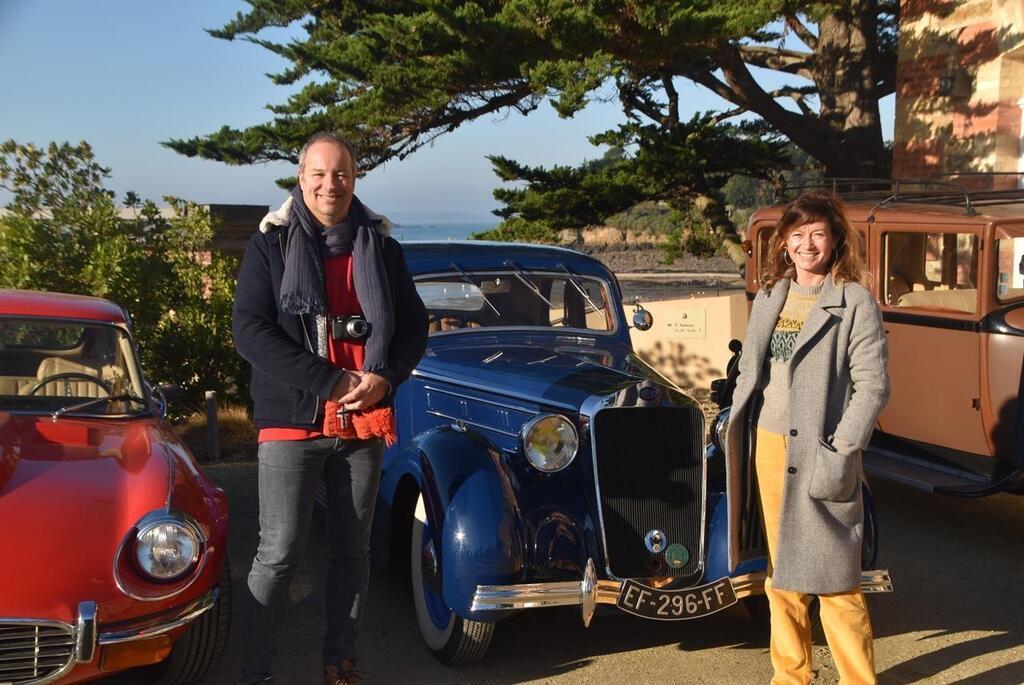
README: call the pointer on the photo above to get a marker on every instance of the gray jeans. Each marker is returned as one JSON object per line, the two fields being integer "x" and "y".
{"x": 288, "y": 475}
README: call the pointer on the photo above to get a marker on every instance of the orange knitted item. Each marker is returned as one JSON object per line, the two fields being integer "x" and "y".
{"x": 368, "y": 423}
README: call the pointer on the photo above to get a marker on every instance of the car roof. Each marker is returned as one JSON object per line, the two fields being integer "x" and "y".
{"x": 424, "y": 257}
{"x": 59, "y": 305}
{"x": 900, "y": 211}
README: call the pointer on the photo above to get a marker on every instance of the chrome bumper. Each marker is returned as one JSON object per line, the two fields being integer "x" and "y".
{"x": 589, "y": 592}
{"x": 87, "y": 639}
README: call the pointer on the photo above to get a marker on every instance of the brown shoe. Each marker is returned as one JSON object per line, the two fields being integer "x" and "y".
{"x": 343, "y": 674}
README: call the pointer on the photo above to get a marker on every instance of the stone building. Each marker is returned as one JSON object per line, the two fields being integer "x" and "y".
{"x": 960, "y": 89}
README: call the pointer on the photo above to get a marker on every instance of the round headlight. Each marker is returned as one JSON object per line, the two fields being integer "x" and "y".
{"x": 550, "y": 442}
{"x": 166, "y": 550}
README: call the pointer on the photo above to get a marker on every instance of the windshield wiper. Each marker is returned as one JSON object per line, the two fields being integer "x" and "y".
{"x": 572, "y": 279}
{"x": 96, "y": 400}
{"x": 521, "y": 275}
{"x": 469, "y": 280}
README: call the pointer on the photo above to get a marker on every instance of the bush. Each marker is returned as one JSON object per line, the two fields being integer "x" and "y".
{"x": 63, "y": 232}
{"x": 518, "y": 230}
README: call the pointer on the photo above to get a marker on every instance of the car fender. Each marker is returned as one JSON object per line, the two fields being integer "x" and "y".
{"x": 469, "y": 495}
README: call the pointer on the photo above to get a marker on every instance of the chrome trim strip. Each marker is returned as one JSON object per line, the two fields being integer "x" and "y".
{"x": 85, "y": 632}
{"x": 463, "y": 396}
{"x": 419, "y": 374}
{"x": 467, "y": 422}
{"x": 186, "y": 614}
{"x": 169, "y": 456}
{"x": 590, "y": 409}
{"x": 875, "y": 580}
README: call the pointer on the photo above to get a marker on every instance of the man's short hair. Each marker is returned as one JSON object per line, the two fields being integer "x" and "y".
{"x": 326, "y": 136}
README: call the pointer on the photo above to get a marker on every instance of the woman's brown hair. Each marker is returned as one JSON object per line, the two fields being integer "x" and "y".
{"x": 847, "y": 264}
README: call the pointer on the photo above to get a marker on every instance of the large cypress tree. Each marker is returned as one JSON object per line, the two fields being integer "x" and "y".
{"x": 393, "y": 75}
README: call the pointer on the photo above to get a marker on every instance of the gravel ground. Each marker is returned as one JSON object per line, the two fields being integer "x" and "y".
{"x": 952, "y": 619}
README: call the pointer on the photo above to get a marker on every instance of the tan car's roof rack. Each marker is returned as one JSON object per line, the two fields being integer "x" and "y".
{"x": 931, "y": 190}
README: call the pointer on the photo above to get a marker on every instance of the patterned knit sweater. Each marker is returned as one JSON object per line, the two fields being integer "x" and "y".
{"x": 774, "y": 414}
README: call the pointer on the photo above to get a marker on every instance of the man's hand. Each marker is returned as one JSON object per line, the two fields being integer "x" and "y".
{"x": 348, "y": 382}
{"x": 370, "y": 390}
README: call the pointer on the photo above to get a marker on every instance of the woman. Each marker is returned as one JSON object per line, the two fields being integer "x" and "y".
{"x": 812, "y": 382}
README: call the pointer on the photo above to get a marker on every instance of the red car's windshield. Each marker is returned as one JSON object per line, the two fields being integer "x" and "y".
{"x": 47, "y": 364}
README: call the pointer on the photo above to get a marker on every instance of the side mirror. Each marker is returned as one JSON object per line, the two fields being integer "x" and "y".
{"x": 642, "y": 319}
{"x": 169, "y": 390}
{"x": 163, "y": 393}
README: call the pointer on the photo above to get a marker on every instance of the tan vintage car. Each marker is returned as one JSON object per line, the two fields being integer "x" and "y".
{"x": 948, "y": 267}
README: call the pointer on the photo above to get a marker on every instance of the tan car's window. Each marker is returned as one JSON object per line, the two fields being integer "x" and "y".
{"x": 1010, "y": 269}
{"x": 932, "y": 271}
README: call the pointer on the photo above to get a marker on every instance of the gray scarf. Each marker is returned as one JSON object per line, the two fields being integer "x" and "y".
{"x": 303, "y": 290}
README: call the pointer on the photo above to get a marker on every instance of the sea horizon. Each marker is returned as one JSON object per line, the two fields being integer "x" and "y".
{"x": 439, "y": 230}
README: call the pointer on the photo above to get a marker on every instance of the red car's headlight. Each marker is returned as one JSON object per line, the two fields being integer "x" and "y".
{"x": 167, "y": 549}
{"x": 160, "y": 556}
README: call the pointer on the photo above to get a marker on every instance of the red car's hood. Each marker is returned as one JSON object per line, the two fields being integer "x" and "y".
{"x": 69, "y": 492}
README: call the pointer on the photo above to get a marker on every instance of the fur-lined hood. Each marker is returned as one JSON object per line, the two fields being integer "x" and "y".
{"x": 279, "y": 217}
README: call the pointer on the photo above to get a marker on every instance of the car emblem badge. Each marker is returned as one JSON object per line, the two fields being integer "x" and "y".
{"x": 648, "y": 393}
{"x": 676, "y": 555}
{"x": 655, "y": 541}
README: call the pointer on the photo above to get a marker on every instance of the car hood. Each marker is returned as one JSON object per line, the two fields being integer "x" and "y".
{"x": 557, "y": 372}
{"x": 69, "y": 492}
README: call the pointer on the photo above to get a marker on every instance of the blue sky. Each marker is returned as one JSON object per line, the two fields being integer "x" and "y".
{"x": 126, "y": 74}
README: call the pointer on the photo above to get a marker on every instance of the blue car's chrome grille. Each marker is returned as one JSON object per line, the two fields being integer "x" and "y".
{"x": 32, "y": 652}
{"x": 650, "y": 474}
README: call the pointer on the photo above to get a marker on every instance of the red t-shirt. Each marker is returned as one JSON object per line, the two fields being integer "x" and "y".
{"x": 343, "y": 354}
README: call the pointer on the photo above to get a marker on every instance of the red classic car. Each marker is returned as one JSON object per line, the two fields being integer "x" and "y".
{"x": 112, "y": 540}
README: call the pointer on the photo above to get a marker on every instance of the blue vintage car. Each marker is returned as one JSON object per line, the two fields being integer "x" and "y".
{"x": 541, "y": 462}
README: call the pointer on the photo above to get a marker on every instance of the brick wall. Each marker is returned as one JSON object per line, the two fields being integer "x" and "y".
{"x": 960, "y": 86}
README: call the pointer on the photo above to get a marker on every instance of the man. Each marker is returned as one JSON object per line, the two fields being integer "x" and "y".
{"x": 325, "y": 310}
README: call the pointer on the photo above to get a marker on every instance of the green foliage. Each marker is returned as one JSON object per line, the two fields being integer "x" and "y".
{"x": 654, "y": 217}
{"x": 64, "y": 232}
{"x": 392, "y": 76}
{"x": 519, "y": 230}
{"x": 567, "y": 197}
{"x": 644, "y": 163}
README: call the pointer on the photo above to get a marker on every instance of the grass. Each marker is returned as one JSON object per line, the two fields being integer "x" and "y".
{"x": 236, "y": 433}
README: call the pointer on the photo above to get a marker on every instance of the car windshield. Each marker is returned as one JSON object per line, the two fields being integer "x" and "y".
{"x": 50, "y": 365}
{"x": 517, "y": 298}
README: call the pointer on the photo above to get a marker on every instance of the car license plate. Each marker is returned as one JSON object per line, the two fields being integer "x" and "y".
{"x": 676, "y": 605}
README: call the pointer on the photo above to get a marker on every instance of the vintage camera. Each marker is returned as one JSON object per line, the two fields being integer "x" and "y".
{"x": 349, "y": 328}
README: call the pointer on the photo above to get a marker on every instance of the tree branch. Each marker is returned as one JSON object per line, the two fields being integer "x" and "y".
{"x": 742, "y": 89}
{"x": 673, "y": 98}
{"x": 797, "y": 94}
{"x": 802, "y": 32}
{"x": 719, "y": 117}
{"x": 633, "y": 97}
{"x": 787, "y": 61}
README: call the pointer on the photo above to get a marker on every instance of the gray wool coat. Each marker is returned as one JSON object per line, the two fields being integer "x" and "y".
{"x": 838, "y": 386}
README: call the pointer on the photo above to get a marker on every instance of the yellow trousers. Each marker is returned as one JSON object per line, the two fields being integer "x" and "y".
{"x": 844, "y": 615}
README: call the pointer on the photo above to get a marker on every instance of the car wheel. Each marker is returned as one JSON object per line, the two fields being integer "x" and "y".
{"x": 451, "y": 638}
{"x": 201, "y": 647}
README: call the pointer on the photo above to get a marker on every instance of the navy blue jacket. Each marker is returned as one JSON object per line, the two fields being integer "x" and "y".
{"x": 290, "y": 381}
